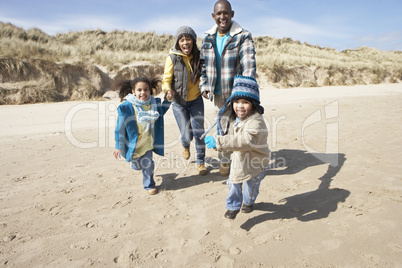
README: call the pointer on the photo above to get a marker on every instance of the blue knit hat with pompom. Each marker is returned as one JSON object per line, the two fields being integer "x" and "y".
{"x": 244, "y": 87}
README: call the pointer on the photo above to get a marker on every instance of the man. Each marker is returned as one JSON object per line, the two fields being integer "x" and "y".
{"x": 227, "y": 51}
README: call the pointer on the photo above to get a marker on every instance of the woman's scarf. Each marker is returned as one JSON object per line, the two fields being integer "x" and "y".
{"x": 144, "y": 117}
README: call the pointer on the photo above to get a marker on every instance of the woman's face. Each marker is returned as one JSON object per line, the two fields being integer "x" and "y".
{"x": 186, "y": 44}
{"x": 141, "y": 91}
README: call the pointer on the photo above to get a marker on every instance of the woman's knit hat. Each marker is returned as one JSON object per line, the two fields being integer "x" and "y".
{"x": 244, "y": 87}
{"x": 185, "y": 30}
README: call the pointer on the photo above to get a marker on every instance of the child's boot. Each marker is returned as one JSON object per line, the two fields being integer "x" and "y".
{"x": 224, "y": 169}
{"x": 231, "y": 214}
{"x": 152, "y": 191}
{"x": 246, "y": 209}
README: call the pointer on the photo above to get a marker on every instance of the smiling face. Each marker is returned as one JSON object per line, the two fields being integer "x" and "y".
{"x": 242, "y": 108}
{"x": 223, "y": 15}
{"x": 186, "y": 44}
{"x": 141, "y": 91}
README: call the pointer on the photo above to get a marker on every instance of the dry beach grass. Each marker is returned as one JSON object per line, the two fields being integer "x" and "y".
{"x": 84, "y": 65}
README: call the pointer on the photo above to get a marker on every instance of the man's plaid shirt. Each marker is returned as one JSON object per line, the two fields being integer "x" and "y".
{"x": 238, "y": 57}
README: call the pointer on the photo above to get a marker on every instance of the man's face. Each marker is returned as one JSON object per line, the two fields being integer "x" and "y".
{"x": 223, "y": 17}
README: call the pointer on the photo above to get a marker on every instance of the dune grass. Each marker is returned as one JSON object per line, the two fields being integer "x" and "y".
{"x": 117, "y": 48}
{"x": 65, "y": 66}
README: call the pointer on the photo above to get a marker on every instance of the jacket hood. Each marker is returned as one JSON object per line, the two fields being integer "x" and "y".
{"x": 173, "y": 50}
{"x": 235, "y": 28}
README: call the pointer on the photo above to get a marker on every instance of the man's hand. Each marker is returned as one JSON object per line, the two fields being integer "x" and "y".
{"x": 205, "y": 94}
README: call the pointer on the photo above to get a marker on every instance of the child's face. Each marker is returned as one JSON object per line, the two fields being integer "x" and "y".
{"x": 186, "y": 44}
{"x": 141, "y": 91}
{"x": 242, "y": 108}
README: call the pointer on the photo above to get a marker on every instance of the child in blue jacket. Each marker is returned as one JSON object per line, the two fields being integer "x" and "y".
{"x": 139, "y": 129}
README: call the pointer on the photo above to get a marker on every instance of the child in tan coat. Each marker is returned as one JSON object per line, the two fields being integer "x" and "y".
{"x": 246, "y": 135}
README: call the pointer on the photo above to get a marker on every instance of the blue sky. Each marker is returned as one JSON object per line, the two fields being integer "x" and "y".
{"x": 339, "y": 24}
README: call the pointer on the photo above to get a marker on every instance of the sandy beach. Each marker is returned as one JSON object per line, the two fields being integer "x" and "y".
{"x": 332, "y": 196}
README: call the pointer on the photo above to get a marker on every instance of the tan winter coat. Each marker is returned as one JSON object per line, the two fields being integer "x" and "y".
{"x": 248, "y": 141}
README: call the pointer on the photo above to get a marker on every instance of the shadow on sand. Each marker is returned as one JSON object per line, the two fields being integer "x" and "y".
{"x": 171, "y": 182}
{"x": 307, "y": 206}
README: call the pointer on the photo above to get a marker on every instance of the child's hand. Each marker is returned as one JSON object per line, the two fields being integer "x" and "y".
{"x": 169, "y": 95}
{"x": 117, "y": 154}
{"x": 210, "y": 142}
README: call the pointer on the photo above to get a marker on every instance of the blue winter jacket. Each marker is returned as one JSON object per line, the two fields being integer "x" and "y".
{"x": 126, "y": 133}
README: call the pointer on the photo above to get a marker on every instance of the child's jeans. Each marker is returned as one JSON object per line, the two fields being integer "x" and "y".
{"x": 249, "y": 194}
{"x": 190, "y": 119}
{"x": 147, "y": 165}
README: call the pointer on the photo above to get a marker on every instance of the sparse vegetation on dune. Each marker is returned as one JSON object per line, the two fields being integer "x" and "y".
{"x": 36, "y": 67}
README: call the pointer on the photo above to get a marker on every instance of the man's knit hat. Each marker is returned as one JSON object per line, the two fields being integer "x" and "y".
{"x": 244, "y": 87}
{"x": 185, "y": 30}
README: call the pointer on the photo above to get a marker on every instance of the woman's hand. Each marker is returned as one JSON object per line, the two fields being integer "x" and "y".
{"x": 205, "y": 94}
{"x": 169, "y": 95}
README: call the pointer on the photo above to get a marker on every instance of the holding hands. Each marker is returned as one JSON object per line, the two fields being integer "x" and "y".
{"x": 210, "y": 142}
{"x": 169, "y": 95}
{"x": 205, "y": 94}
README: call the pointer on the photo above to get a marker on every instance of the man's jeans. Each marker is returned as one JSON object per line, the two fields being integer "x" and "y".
{"x": 219, "y": 102}
{"x": 147, "y": 165}
{"x": 249, "y": 194}
{"x": 190, "y": 119}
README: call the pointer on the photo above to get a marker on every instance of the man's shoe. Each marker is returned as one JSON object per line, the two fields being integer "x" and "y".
{"x": 152, "y": 191}
{"x": 246, "y": 209}
{"x": 186, "y": 153}
{"x": 224, "y": 169}
{"x": 231, "y": 214}
{"x": 202, "y": 170}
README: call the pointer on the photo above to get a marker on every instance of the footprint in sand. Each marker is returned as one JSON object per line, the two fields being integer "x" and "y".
{"x": 68, "y": 190}
{"x": 107, "y": 238}
{"x": 80, "y": 245}
{"x": 123, "y": 203}
{"x": 91, "y": 225}
{"x": 55, "y": 210}
{"x": 127, "y": 258}
{"x": 9, "y": 238}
